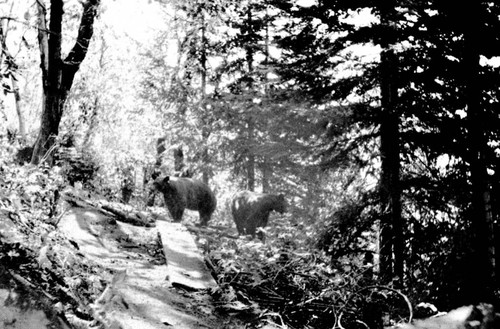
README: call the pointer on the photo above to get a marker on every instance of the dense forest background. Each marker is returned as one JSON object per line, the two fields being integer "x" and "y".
{"x": 378, "y": 120}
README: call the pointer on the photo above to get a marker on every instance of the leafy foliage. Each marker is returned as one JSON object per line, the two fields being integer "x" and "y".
{"x": 35, "y": 258}
{"x": 285, "y": 282}
{"x": 288, "y": 97}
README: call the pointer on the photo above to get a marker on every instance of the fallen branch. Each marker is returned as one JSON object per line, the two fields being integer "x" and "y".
{"x": 134, "y": 218}
{"x": 210, "y": 231}
{"x": 129, "y": 217}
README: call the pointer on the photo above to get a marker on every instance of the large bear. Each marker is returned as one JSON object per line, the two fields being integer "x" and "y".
{"x": 251, "y": 210}
{"x": 186, "y": 193}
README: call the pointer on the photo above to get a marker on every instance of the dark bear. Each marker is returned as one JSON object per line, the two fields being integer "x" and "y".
{"x": 181, "y": 193}
{"x": 251, "y": 210}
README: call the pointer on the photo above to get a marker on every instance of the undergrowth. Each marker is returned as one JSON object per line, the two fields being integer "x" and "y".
{"x": 290, "y": 283}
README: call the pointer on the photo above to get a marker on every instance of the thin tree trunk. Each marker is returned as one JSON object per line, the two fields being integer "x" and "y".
{"x": 482, "y": 282}
{"x": 391, "y": 244}
{"x": 266, "y": 166}
{"x": 266, "y": 174}
{"x": 11, "y": 67}
{"x": 251, "y": 136}
{"x": 205, "y": 130}
{"x": 250, "y": 155}
{"x": 93, "y": 122}
{"x": 94, "y": 115}
{"x": 20, "y": 116}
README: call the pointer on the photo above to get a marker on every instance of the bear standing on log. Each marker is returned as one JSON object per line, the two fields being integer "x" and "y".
{"x": 186, "y": 193}
{"x": 251, "y": 210}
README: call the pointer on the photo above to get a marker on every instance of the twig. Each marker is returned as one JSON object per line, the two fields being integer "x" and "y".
{"x": 410, "y": 308}
{"x": 406, "y": 299}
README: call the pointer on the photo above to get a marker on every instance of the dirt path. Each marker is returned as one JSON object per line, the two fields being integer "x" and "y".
{"x": 142, "y": 294}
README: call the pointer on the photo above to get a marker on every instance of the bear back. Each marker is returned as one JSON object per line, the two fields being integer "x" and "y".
{"x": 251, "y": 210}
{"x": 187, "y": 193}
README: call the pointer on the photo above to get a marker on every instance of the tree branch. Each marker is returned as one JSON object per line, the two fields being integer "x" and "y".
{"x": 85, "y": 32}
{"x": 55, "y": 40}
{"x": 80, "y": 48}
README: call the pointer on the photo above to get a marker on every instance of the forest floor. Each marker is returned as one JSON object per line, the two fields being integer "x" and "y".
{"x": 143, "y": 293}
{"x": 140, "y": 289}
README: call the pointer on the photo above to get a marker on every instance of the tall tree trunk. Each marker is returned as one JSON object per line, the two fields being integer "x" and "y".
{"x": 250, "y": 155}
{"x": 94, "y": 114}
{"x": 391, "y": 239}
{"x": 204, "y": 130}
{"x": 391, "y": 235}
{"x": 58, "y": 74}
{"x": 20, "y": 116}
{"x": 11, "y": 68}
{"x": 266, "y": 171}
{"x": 250, "y": 165}
{"x": 266, "y": 166}
{"x": 482, "y": 282}
{"x": 93, "y": 123}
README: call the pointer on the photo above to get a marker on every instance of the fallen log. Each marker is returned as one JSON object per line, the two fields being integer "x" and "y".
{"x": 137, "y": 218}
{"x": 134, "y": 218}
{"x": 212, "y": 230}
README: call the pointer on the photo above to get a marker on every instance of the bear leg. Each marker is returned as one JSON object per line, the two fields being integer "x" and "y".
{"x": 204, "y": 218}
{"x": 176, "y": 214}
{"x": 251, "y": 228}
{"x": 240, "y": 230}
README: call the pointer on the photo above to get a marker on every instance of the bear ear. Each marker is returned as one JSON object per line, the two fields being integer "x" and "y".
{"x": 166, "y": 179}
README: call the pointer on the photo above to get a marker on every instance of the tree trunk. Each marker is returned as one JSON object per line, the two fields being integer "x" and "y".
{"x": 58, "y": 74}
{"x": 251, "y": 125}
{"x": 251, "y": 171}
{"x": 93, "y": 123}
{"x": 266, "y": 174}
{"x": 391, "y": 244}
{"x": 20, "y": 116}
{"x": 205, "y": 130}
{"x": 11, "y": 68}
{"x": 266, "y": 166}
{"x": 94, "y": 114}
{"x": 250, "y": 154}
{"x": 482, "y": 282}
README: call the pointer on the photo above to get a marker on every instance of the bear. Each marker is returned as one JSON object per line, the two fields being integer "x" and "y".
{"x": 251, "y": 210}
{"x": 186, "y": 193}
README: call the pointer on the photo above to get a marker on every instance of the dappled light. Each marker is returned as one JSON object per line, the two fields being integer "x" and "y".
{"x": 249, "y": 164}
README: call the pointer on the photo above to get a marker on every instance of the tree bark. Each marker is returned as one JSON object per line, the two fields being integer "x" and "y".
{"x": 251, "y": 171}
{"x": 11, "y": 68}
{"x": 391, "y": 235}
{"x": 266, "y": 171}
{"x": 266, "y": 165}
{"x": 250, "y": 165}
{"x": 482, "y": 282}
{"x": 58, "y": 74}
{"x": 20, "y": 116}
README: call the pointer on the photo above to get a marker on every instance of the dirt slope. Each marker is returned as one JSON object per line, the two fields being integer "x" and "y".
{"x": 140, "y": 294}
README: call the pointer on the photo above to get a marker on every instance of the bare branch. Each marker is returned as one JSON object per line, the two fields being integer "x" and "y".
{"x": 85, "y": 32}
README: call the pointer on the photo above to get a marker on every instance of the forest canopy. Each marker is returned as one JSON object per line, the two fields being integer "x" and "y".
{"x": 378, "y": 120}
